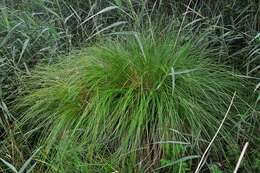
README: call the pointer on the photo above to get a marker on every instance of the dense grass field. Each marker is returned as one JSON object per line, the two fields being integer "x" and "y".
{"x": 118, "y": 86}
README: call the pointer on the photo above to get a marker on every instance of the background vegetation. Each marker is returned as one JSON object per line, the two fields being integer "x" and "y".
{"x": 39, "y": 31}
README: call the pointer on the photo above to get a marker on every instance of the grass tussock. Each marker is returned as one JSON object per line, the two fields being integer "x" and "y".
{"x": 114, "y": 105}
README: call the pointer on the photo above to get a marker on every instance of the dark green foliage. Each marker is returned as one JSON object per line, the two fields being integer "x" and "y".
{"x": 37, "y": 30}
{"x": 23, "y": 41}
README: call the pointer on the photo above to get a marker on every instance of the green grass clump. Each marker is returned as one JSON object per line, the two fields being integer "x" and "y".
{"x": 113, "y": 105}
